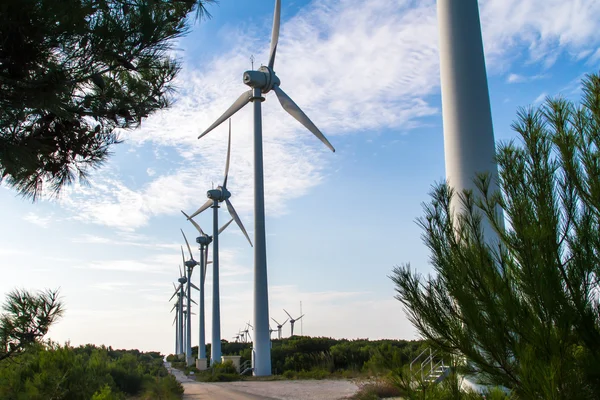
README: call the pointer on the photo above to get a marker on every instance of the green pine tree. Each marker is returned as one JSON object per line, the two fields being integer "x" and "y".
{"x": 26, "y": 319}
{"x": 523, "y": 311}
{"x": 71, "y": 73}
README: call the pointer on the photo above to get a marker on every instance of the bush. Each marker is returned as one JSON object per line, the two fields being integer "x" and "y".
{"x": 166, "y": 388}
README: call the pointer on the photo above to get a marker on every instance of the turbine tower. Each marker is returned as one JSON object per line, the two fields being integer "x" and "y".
{"x": 261, "y": 82}
{"x": 279, "y": 326}
{"x": 176, "y": 307}
{"x": 190, "y": 264}
{"x": 216, "y": 196}
{"x": 179, "y": 291}
{"x": 469, "y": 147}
{"x": 203, "y": 241}
{"x": 292, "y": 321}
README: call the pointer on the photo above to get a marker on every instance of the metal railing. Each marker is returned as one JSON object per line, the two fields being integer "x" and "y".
{"x": 431, "y": 368}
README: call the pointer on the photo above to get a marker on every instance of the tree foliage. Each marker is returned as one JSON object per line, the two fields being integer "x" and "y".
{"x": 74, "y": 71}
{"x": 523, "y": 306}
{"x": 26, "y": 318}
{"x": 51, "y": 371}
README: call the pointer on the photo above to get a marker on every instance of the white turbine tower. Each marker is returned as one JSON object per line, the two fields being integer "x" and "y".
{"x": 216, "y": 196}
{"x": 203, "y": 241}
{"x": 292, "y": 321}
{"x": 179, "y": 292}
{"x": 190, "y": 264}
{"x": 279, "y": 326}
{"x": 263, "y": 81}
{"x": 468, "y": 132}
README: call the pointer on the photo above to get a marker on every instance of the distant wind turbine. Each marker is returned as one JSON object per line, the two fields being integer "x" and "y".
{"x": 203, "y": 241}
{"x": 261, "y": 82}
{"x": 292, "y": 320}
{"x": 190, "y": 264}
{"x": 216, "y": 196}
{"x": 179, "y": 292}
{"x": 279, "y": 326}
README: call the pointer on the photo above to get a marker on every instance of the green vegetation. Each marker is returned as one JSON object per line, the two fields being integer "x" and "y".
{"x": 524, "y": 311}
{"x": 74, "y": 71}
{"x": 25, "y": 319}
{"x": 304, "y": 357}
{"x": 52, "y": 371}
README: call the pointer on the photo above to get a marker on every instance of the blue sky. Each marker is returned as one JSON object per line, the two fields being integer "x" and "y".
{"x": 367, "y": 73}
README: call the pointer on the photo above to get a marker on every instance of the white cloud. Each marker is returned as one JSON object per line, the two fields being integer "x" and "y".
{"x": 40, "y": 220}
{"x": 540, "y": 99}
{"x": 516, "y": 78}
{"x": 353, "y": 66}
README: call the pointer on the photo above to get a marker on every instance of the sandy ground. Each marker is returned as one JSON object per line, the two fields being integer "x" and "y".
{"x": 265, "y": 390}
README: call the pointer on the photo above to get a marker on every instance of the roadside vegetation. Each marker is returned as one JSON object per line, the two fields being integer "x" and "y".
{"x": 52, "y": 371}
{"x": 522, "y": 308}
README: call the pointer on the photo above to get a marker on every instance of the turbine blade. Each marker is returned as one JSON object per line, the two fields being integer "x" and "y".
{"x": 292, "y": 108}
{"x": 194, "y": 223}
{"x": 275, "y": 321}
{"x": 207, "y": 262}
{"x": 225, "y": 226}
{"x": 237, "y": 219}
{"x": 180, "y": 273}
{"x": 174, "y": 287}
{"x": 228, "y": 157}
{"x": 285, "y": 321}
{"x": 298, "y": 319}
{"x": 288, "y": 314}
{"x": 195, "y": 287}
{"x": 183, "y": 258}
{"x": 235, "y": 107}
{"x": 206, "y": 205}
{"x": 193, "y": 301}
{"x": 275, "y": 33}
{"x": 176, "y": 291}
{"x": 174, "y": 319}
{"x": 174, "y": 305}
{"x": 188, "y": 245}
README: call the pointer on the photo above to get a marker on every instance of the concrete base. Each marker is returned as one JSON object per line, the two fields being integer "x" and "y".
{"x": 202, "y": 364}
{"x": 234, "y": 359}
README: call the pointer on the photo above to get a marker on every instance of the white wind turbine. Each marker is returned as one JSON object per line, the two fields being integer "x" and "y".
{"x": 190, "y": 264}
{"x": 279, "y": 326}
{"x": 203, "y": 241}
{"x": 263, "y": 81}
{"x": 179, "y": 292}
{"x": 292, "y": 320}
{"x": 216, "y": 196}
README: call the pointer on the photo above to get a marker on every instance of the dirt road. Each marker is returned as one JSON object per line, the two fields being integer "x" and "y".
{"x": 265, "y": 390}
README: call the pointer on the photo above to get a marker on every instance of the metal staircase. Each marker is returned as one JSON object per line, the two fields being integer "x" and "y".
{"x": 246, "y": 367}
{"x": 428, "y": 368}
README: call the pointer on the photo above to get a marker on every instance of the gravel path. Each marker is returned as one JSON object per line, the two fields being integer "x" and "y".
{"x": 265, "y": 390}
{"x": 295, "y": 390}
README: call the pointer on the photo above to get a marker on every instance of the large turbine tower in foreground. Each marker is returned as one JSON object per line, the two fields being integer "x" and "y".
{"x": 468, "y": 132}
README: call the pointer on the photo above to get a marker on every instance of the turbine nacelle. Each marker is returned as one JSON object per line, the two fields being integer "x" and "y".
{"x": 263, "y": 79}
{"x": 219, "y": 194}
{"x": 204, "y": 240}
{"x": 182, "y": 280}
{"x": 191, "y": 263}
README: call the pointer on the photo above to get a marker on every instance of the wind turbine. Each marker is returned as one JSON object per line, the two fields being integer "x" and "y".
{"x": 247, "y": 331}
{"x": 292, "y": 320}
{"x": 176, "y": 319}
{"x": 179, "y": 291}
{"x": 279, "y": 326}
{"x": 271, "y": 331}
{"x": 216, "y": 196}
{"x": 190, "y": 264}
{"x": 203, "y": 241}
{"x": 261, "y": 82}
